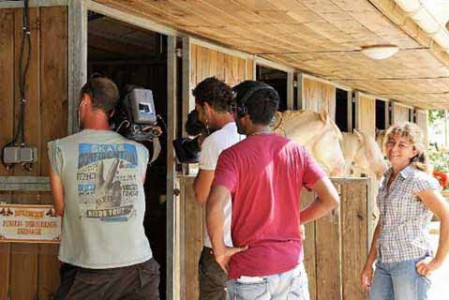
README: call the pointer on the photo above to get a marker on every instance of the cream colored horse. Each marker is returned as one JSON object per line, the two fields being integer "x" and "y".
{"x": 380, "y": 136}
{"x": 362, "y": 155}
{"x": 317, "y": 133}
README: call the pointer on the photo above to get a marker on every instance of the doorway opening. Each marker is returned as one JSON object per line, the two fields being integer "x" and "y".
{"x": 277, "y": 79}
{"x": 132, "y": 56}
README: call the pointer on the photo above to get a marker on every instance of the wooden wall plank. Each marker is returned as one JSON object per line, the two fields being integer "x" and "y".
{"x": 318, "y": 95}
{"x": 366, "y": 114}
{"x": 204, "y": 62}
{"x": 221, "y": 74}
{"x": 423, "y": 123}
{"x": 328, "y": 258}
{"x": 173, "y": 244}
{"x": 249, "y": 75}
{"x": 354, "y": 218}
{"x": 6, "y": 124}
{"x": 194, "y": 229}
{"x": 54, "y": 103}
{"x": 309, "y": 246}
{"x": 400, "y": 113}
{"x": 24, "y": 257}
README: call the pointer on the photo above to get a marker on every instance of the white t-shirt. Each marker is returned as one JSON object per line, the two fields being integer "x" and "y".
{"x": 211, "y": 149}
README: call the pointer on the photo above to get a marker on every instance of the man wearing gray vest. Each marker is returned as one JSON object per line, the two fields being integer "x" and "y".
{"x": 97, "y": 179}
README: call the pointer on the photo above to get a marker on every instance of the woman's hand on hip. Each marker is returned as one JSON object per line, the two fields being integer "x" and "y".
{"x": 426, "y": 266}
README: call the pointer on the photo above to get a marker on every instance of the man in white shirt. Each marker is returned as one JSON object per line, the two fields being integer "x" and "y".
{"x": 213, "y": 98}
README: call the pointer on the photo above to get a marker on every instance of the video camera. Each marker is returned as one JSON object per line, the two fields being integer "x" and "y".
{"x": 135, "y": 116}
{"x": 187, "y": 149}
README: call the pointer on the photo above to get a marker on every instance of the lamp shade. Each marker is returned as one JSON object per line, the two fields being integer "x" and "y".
{"x": 379, "y": 51}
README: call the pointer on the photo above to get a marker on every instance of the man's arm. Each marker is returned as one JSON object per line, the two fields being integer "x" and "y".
{"x": 327, "y": 199}
{"x": 202, "y": 185}
{"x": 214, "y": 218}
{"x": 57, "y": 191}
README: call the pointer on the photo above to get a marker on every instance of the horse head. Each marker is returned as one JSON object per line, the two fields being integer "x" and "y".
{"x": 369, "y": 158}
{"x": 317, "y": 133}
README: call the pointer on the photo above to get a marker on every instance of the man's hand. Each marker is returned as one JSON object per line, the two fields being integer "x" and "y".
{"x": 224, "y": 257}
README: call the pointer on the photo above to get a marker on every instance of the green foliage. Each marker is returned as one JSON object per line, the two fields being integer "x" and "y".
{"x": 435, "y": 115}
{"x": 439, "y": 159}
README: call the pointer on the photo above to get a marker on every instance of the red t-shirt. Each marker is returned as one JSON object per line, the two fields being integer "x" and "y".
{"x": 265, "y": 174}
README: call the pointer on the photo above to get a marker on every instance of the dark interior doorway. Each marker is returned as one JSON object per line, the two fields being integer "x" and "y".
{"x": 381, "y": 109}
{"x": 277, "y": 79}
{"x": 341, "y": 109}
{"x": 134, "y": 56}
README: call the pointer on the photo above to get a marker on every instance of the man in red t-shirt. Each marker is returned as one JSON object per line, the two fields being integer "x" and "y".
{"x": 264, "y": 175}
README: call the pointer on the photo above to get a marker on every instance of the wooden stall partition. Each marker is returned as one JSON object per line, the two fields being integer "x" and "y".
{"x": 53, "y": 122}
{"x": 400, "y": 113}
{"x": 6, "y": 124}
{"x": 423, "y": 122}
{"x": 24, "y": 257}
{"x": 309, "y": 246}
{"x": 193, "y": 225}
{"x": 336, "y": 246}
{"x": 317, "y": 94}
{"x": 366, "y": 114}
{"x": 200, "y": 62}
{"x": 357, "y": 225}
{"x": 30, "y": 271}
{"x": 206, "y": 62}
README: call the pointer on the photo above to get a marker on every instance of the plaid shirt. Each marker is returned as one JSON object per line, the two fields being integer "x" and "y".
{"x": 403, "y": 217}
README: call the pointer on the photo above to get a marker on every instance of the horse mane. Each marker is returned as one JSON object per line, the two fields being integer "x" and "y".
{"x": 306, "y": 117}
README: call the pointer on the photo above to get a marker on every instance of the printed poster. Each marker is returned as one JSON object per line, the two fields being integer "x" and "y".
{"x": 29, "y": 223}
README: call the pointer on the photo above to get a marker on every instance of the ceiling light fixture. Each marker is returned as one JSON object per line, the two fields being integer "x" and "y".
{"x": 379, "y": 51}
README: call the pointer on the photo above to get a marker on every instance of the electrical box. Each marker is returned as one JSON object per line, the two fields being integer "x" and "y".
{"x": 143, "y": 106}
{"x": 17, "y": 155}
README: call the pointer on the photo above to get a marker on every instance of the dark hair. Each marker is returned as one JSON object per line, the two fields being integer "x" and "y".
{"x": 257, "y": 99}
{"x": 215, "y": 92}
{"x": 103, "y": 92}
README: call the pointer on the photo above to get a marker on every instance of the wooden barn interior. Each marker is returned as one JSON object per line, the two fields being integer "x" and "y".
{"x": 309, "y": 50}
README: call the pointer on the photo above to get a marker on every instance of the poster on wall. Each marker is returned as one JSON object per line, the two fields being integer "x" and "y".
{"x": 29, "y": 224}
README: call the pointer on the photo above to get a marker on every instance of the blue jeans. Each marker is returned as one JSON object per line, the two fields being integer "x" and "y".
{"x": 399, "y": 281}
{"x": 292, "y": 284}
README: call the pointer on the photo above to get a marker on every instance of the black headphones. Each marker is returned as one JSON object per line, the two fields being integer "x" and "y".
{"x": 241, "y": 108}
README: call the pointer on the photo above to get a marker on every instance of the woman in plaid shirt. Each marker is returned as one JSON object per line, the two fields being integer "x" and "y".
{"x": 407, "y": 199}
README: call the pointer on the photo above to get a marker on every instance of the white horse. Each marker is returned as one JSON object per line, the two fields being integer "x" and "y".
{"x": 362, "y": 155}
{"x": 317, "y": 133}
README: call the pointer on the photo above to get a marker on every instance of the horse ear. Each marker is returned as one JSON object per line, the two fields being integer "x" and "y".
{"x": 324, "y": 115}
{"x": 358, "y": 134}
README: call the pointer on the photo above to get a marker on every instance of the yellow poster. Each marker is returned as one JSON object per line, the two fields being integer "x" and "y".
{"x": 29, "y": 224}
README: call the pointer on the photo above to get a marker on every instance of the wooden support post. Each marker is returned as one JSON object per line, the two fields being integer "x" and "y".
{"x": 77, "y": 64}
{"x": 290, "y": 90}
{"x": 299, "y": 90}
{"x": 173, "y": 274}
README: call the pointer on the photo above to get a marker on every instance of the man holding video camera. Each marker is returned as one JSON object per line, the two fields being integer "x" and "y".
{"x": 97, "y": 179}
{"x": 212, "y": 99}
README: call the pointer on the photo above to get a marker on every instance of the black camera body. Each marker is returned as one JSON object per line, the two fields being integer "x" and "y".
{"x": 187, "y": 149}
